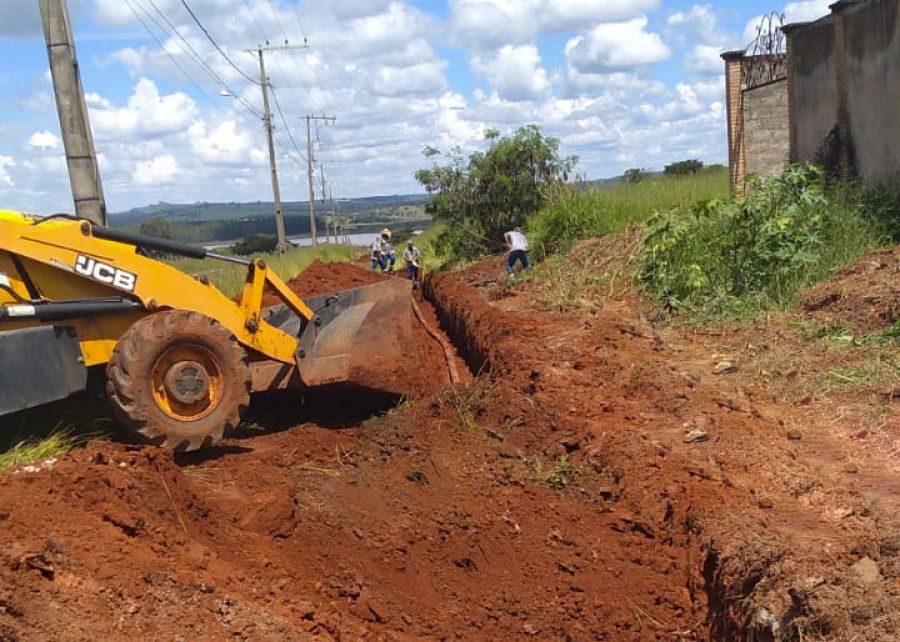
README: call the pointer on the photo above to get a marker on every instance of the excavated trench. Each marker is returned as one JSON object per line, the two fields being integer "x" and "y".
{"x": 481, "y": 334}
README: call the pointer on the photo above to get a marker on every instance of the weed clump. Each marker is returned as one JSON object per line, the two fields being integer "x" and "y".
{"x": 737, "y": 256}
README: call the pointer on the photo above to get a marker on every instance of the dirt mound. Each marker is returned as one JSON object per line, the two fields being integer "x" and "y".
{"x": 865, "y": 295}
{"x": 322, "y": 278}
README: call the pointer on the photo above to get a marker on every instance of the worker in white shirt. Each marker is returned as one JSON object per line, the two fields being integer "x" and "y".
{"x": 412, "y": 257}
{"x": 518, "y": 251}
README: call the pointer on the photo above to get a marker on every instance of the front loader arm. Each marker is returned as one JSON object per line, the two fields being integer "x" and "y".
{"x": 77, "y": 264}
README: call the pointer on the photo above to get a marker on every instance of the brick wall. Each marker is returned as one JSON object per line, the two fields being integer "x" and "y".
{"x": 766, "y": 129}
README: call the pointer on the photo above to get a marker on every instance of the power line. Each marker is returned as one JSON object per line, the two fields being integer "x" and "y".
{"x": 278, "y": 20}
{"x": 287, "y": 128}
{"x": 189, "y": 49}
{"x": 216, "y": 44}
{"x": 172, "y": 58}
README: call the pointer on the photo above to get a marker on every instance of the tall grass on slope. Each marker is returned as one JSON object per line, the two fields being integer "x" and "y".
{"x": 573, "y": 215}
{"x": 229, "y": 278}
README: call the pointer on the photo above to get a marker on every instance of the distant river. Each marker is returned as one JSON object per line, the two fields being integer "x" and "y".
{"x": 357, "y": 240}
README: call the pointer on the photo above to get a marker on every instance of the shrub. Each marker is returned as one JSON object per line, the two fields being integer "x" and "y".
{"x": 728, "y": 256}
{"x": 684, "y": 168}
{"x": 255, "y": 244}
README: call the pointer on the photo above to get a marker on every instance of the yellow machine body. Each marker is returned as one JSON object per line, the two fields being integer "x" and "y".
{"x": 62, "y": 260}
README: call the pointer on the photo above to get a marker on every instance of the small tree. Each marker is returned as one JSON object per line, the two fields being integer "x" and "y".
{"x": 158, "y": 227}
{"x": 491, "y": 192}
{"x": 255, "y": 244}
{"x": 684, "y": 168}
{"x": 634, "y": 175}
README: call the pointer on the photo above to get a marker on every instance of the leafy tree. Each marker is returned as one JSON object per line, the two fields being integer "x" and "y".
{"x": 158, "y": 227}
{"x": 491, "y": 192}
{"x": 684, "y": 168}
{"x": 255, "y": 244}
{"x": 634, "y": 175}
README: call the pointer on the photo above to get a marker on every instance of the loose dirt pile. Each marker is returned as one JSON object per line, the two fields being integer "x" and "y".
{"x": 865, "y": 295}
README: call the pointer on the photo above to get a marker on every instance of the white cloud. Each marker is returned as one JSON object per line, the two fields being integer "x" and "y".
{"x": 705, "y": 59}
{"x": 805, "y": 11}
{"x": 493, "y": 23}
{"x": 156, "y": 171}
{"x": 514, "y": 72}
{"x": 5, "y": 163}
{"x": 44, "y": 140}
{"x": 613, "y": 47}
{"x": 224, "y": 145}
{"x": 808, "y": 10}
{"x": 147, "y": 114}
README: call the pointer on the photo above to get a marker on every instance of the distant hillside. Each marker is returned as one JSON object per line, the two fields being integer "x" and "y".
{"x": 208, "y": 222}
{"x": 210, "y": 211}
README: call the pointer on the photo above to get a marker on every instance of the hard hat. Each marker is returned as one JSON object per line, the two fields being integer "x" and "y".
{"x": 385, "y": 232}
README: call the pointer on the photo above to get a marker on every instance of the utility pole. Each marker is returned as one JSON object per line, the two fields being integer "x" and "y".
{"x": 281, "y": 238}
{"x": 81, "y": 158}
{"x": 329, "y": 220}
{"x": 311, "y": 172}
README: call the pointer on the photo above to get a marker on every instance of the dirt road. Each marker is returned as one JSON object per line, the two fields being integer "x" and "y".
{"x": 596, "y": 481}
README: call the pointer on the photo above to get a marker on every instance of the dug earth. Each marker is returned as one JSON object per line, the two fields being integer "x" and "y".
{"x": 597, "y": 474}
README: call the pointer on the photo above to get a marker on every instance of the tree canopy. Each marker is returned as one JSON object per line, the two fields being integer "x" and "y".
{"x": 491, "y": 192}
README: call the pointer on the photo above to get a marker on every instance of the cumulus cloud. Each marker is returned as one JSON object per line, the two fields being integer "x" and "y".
{"x": 805, "y": 11}
{"x": 493, "y": 23}
{"x": 395, "y": 75}
{"x": 613, "y": 47}
{"x": 147, "y": 114}
{"x": 44, "y": 140}
{"x": 156, "y": 171}
{"x": 5, "y": 163}
{"x": 514, "y": 72}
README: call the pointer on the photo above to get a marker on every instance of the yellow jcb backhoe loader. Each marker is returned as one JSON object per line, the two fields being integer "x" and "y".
{"x": 179, "y": 358}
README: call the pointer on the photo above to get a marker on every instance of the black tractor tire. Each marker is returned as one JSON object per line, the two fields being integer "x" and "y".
{"x": 179, "y": 380}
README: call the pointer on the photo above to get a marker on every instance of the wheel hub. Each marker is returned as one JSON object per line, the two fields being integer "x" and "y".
{"x": 187, "y": 382}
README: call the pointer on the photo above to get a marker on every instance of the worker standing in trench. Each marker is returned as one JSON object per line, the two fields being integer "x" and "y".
{"x": 412, "y": 257}
{"x": 517, "y": 245}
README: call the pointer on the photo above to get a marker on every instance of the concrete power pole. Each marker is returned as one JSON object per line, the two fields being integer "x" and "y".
{"x": 81, "y": 158}
{"x": 311, "y": 173}
{"x": 281, "y": 243}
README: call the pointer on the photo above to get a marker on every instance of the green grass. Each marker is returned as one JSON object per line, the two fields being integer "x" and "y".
{"x": 229, "y": 278}
{"x": 56, "y": 444}
{"x": 573, "y": 216}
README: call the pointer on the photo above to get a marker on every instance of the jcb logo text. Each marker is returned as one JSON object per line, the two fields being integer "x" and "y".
{"x": 104, "y": 273}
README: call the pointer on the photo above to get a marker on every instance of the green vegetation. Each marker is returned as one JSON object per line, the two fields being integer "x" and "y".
{"x": 158, "y": 227}
{"x": 229, "y": 278}
{"x": 56, "y": 444}
{"x": 491, "y": 192}
{"x": 573, "y": 215}
{"x": 255, "y": 244}
{"x": 684, "y": 168}
{"x": 734, "y": 256}
{"x": 556, "y": 474}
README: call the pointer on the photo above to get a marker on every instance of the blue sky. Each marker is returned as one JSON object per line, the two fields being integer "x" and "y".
{"x": 622, "y": 83}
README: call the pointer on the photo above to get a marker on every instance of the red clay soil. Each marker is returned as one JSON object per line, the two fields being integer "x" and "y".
{"x": 322, "y": 278}
{"x": 865, "y": 295}
{"x": 554, "y": 498}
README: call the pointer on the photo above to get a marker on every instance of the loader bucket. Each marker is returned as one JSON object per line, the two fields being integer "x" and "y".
{"x": 358, "y": 336}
